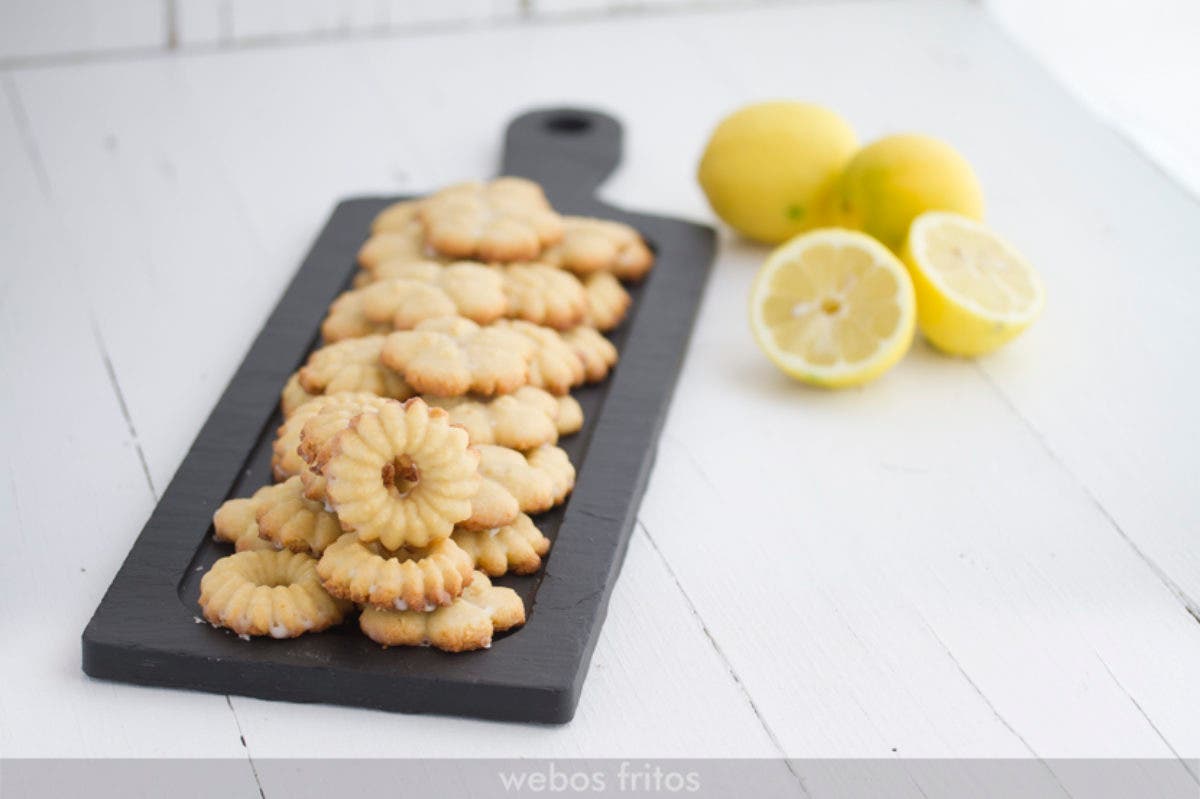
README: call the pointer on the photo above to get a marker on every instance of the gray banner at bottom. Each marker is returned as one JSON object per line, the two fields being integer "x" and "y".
{"x": 760, "y": 779}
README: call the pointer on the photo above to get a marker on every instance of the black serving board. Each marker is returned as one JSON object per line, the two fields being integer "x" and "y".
{"x": 147, "y": 630}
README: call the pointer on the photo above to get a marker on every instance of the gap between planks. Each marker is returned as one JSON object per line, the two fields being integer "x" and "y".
{"x": 21, "y": 117}
{"x": 1189, "y": 604}
{"x": 242, "y": 736}
{"x": 722, "y": 657}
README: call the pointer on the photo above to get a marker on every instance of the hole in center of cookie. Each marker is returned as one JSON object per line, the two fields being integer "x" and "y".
{"x": 568, "y": 123}
{"x": 401, "y": 475}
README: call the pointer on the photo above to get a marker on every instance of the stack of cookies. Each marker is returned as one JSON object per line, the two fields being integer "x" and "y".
{"x": 419, "y": 443}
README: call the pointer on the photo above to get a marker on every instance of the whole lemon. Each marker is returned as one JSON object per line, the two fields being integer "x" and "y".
{"x": 893, "y": 180}
{"x": 768, "y": 168}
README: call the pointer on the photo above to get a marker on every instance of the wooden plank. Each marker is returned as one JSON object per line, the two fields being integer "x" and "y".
{"x": 31, "y": 29}
{"x": 75, "y": 492}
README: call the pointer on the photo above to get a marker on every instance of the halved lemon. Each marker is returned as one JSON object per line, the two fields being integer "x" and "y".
{"x": 833, "y": 308}
{"x": 974, "y": 290}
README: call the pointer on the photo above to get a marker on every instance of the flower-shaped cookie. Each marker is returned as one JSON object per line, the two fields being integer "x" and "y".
{"x": 507, "y": 219}
{"x": 403, "y": 579}
{"x": 564, "y": 410}
{"x": 538, "y": 480}
{"x": 268, "y": 592}
{"x": 236, "y": 522}
{"x": 450, "y": 356}
{"x": 424, "y": 270}
{"x": 599, "y": 245}
{"x": 401, "y": 475}
{"x": 597, "y": 354}
{"x": 352, "y": 365}
{"x": 399, "y": 216}
{"x": 570, "y": 415}
{"x": 318, "y": 429}
{"x": 346, "y": 319}
{"x": 465, "y": 289}
{"x": 607, "y": 301}
{"x": 525, "y": 419}
{"x": 397, "y": 239}
{"x": 467, "y": 623}
{"x": 286, "y": 459}
{"x": 287, "y": 520}
{"x": 491, "y": 506}
{"x": 544, "y": 295}
{"x": 293, "y": 395}
{"x": 553, "y": 364}
{"x": 517, "y": 547}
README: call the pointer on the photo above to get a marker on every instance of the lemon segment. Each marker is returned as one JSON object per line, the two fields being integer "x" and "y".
{"x": 833, "y": 308}
{"x": 975, "y": 292}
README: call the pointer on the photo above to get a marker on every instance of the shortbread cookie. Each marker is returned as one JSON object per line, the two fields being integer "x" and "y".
{"x": 465, "y": 624}
{"x": 293, "y": 395}
{"x": 450, "y": 356}
{"x": 564, "y": 410}
{"x": 418, "y": 578}
{"x": 399, "y": 244}
{"x": 408, "y": 302}
{"x": 286, "y": 460}
{"x": 544, "y": 295}
{"x": 236, "y": 522}
{"x": 607, "y": 301}
{"x": 328, "y": 418}
{"x": 424, "y": 270}
{"x": 599, "y": 245}
{"x": 352, "y": 365}
{"x": 275, "y": 593}
{"x": 517, "y": 547}
{"x": 521, "y": 420}
{"x": 597, "y": 354}
{"x": 538, "y": 480}
{"x": 319, "y": 430}
{"x": 570, "y": 415}
{"x": 400, "y": 216}
{"x": 346, "y": 319}
{"x": 507, "y": 219}
{"x": 465, "y": 289}
{"x": 401, "y": 475}
{"x": 553, "y": 364}
{"x": 556, "y": 465}
{"x": 491, "y": 506}
{"x": 287, "y": 520}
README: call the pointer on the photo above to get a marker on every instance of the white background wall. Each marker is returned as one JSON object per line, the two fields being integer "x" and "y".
{"x": 1135, "y": 63}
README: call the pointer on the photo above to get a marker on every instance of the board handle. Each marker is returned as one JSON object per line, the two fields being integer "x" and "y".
{"x": 570, "y": 151}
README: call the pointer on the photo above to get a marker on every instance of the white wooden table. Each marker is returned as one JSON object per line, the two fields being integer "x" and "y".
{"x": 966, "y": 559}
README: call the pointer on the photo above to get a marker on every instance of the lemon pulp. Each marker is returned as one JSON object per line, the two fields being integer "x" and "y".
{"x": 975, "y": 292}
{"x": 833, "y": 307}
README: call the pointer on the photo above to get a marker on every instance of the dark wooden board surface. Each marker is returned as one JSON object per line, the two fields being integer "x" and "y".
{"x": 145, "y": 629}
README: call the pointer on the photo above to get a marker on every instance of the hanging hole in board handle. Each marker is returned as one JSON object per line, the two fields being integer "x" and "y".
{"x": 568, "y": 124}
